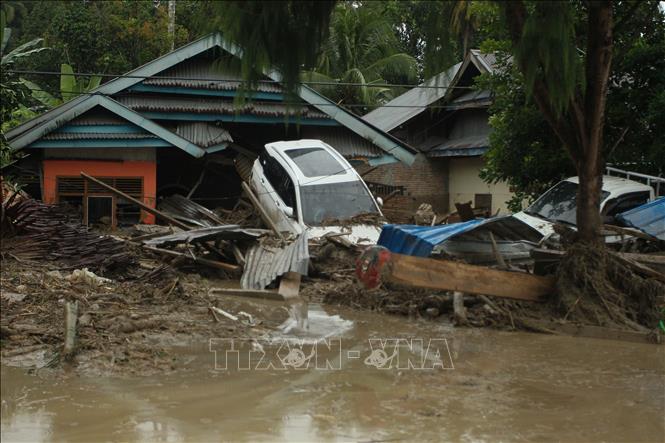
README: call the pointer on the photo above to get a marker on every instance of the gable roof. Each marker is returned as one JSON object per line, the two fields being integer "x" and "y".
{"x": 415, "y": 101}
{"x": 31, "y": 130}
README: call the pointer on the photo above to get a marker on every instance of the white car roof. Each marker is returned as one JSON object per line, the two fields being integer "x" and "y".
{"x": 348, "y": 173}
{"x": 614, "y": 185}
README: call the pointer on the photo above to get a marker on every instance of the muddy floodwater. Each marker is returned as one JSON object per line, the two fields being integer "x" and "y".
{"x": 445, "y": 384}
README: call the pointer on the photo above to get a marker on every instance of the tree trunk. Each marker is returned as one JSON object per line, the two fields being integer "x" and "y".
{"x": 588, "y": 199}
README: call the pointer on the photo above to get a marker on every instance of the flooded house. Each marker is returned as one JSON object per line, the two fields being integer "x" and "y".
{"x": 446, "y": 119}
{"x": 184, "y": 123}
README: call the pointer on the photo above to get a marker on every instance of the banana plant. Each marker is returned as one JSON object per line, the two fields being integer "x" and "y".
{"x": 70, "y": 87}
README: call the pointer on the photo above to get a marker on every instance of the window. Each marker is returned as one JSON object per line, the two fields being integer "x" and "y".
{"x": 625, "y": 202}
{"x": 482, "y": 201}
{"x": 335, "y": 201}
{"x": 559, "y": 204}
{"x": 279, "y": 179}
{"x": 95, "y": 203}
{"x": 315, "y": 162}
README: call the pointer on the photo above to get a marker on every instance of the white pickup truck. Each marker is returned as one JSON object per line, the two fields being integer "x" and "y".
{"x": 515, "y": 235}
{"x": 307, "y": 185}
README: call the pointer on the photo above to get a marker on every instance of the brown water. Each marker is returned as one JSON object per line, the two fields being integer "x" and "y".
{"x": 504, "y": 387}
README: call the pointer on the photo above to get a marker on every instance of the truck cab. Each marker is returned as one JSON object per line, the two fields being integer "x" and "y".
{"x": 559, "y": 203}
{"x": 305, "y": 185}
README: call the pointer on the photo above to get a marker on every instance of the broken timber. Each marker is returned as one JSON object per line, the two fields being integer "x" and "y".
{"x": 377, "y": 263}
{"x": 203, "y": 261}
{"x": 262, "y": 212}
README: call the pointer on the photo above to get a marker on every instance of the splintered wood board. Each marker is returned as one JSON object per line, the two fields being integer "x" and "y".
{"x": 454, "y": 276}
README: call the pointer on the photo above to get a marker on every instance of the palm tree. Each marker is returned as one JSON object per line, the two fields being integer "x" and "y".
{"x": 361, "y": 51}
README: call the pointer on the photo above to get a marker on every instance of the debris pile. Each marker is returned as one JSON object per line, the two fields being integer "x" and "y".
{"x": 48, "y": 232}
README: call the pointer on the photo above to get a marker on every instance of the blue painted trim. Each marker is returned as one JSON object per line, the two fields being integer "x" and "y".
{"x": 383, "y": 160}
{"x": 216, "y": 148}
{"x": 238, "y": 118}
{"x": 259, "y": 95}
{"x": 97, "y": 143}
{"x": 101, "y": 129}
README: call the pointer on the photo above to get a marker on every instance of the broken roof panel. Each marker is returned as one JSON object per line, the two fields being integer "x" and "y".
{"x": 649, "y": 218}
{"x": 264, "y": 263}
{"x": 419, "y": 241}
{"x": 413, "y": 102}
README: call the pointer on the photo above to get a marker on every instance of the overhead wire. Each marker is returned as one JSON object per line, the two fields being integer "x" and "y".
{"x": 239, "y": 81}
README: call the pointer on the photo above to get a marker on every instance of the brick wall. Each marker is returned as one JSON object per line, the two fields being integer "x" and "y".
{"x": 426, "y": 181}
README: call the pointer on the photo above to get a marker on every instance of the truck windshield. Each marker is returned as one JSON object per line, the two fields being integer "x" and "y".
{"x": 335, "y": 201}
{"x": 559, "y": 203}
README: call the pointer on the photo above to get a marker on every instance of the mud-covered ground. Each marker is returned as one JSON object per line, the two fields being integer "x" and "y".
{"x": 123, "y": 326}
{"x": 130, "y": 322}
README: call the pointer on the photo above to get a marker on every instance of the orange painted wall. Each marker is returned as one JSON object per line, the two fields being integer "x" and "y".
{"x": 72, "y": 168}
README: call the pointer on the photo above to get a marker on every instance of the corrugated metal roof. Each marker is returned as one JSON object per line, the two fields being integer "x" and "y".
{"x": 203, "y": 134}
{"x": 214, "y": 106}
{"x": 344, "y": 141}
{"x": 205, "y": 68}
{"x": 649, "y": 218}
{"x": 471, "y": 146}
{"x": 488, "y": 60}
{"x": 96, "y": 135}
{"x": 264, "y": 263}
{"x": 412, "y": 102}
{"x": 98, "y": 117}
{"x": 420, "y": 240}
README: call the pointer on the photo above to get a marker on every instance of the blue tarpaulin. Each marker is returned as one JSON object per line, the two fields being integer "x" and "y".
{"x": 420, "y": 240}
{"x": 649, "y": 218}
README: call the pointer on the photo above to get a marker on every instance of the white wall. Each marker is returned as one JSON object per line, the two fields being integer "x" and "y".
{"x": 464, "y": 183}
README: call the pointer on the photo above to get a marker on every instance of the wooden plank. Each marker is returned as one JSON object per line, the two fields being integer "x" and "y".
{"x": 250, "y": 293}
{"x": 289, "y": 285}
{"x": 262, "y": 212}
{"x": 203, "y": 261}
{"x": 142, "y": 205}
{"x": 454, "y": 276}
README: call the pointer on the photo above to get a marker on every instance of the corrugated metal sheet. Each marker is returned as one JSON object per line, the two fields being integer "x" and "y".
{"x": 420, "y": 240}
{"x": 204, "y": 68}
{"x": 203, "y": 134}
{"x": 214, "y": 106}
{"x": 488, "y": 60}
{"x": 412, "y": 102}
{"x": 649, "y": 218}
{"x": 95, "y": 135}
{"x": 225, "y": 232}
{"x": 264, "y": 263}
{"x": 98, "y": 117}
{"x": 473, "y": 145}
{"x": 186, "y": 210}
{"x": 344, "y": 141}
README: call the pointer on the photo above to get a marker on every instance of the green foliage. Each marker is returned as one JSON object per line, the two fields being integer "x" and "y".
{"x": 70, "y": 87}
{"x": 284, "y": 35}
{"x": 362, "y": 48}
{"x": 524, "y": 151}
{"x": 548, "y": 52}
